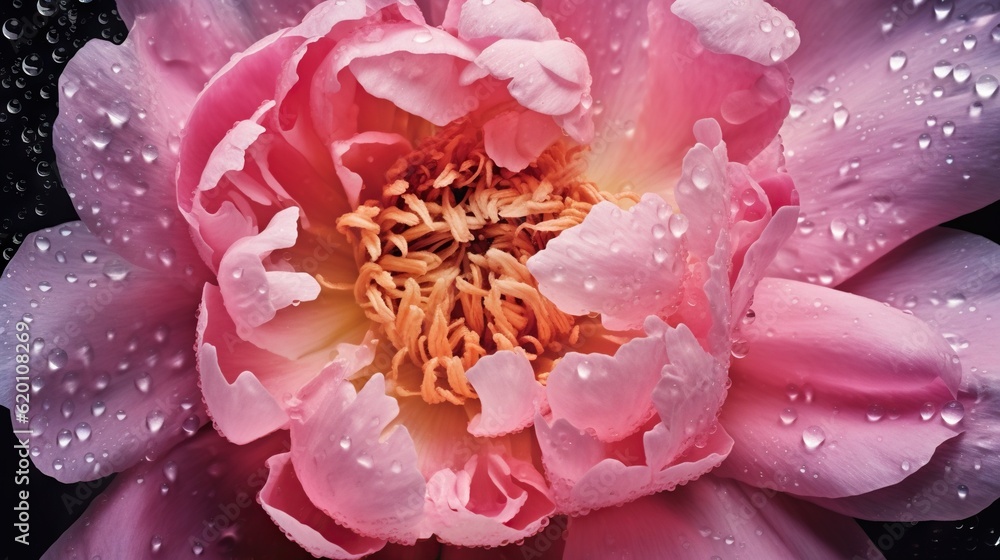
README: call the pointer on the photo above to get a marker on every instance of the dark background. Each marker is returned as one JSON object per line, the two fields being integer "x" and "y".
{"x": 34, "y": 50}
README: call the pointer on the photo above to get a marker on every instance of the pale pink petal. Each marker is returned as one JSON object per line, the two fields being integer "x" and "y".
{"x": 952, "y": 281}
{"x": 717, "y": 518}
{"x": 752, "y": 29}
{"x": 643, "y": 59}
{"x": 897, "y": 143}
{"x": 107, "y": 386}
{"x": 679, "y": 444}
{"x": 626, "y": 265}
{"x": 362, "y": 160}
{"x": 354, "y": 467}
{"x": 493, "y": 499}
{"x": 827, "y": 402}
{"x": 209, "y": 480}
{"x": 758, "y": 256}
{"x": 283, "y": 498}
{"x": 549, "y": 77}
{"x": 703, "y": 191}
{"x": 514, "y": 139}
{"x": 548, "y": 544}
{"x": 503, "y": 19}
{"x": 254, "y": 294}
{"x": 245, "y": 388}
{"x": 508, "y": 391}
{"x": 608, "y": 396}
{"x": 431, "y": 85}
{"x": 686, "y": 398}
{"x": 115, "y": 141}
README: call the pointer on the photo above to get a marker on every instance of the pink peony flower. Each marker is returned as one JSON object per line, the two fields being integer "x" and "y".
{"x": 454, "y": 279}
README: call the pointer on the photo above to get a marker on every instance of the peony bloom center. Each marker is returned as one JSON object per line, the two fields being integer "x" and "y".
{"x": 442, "y": 259}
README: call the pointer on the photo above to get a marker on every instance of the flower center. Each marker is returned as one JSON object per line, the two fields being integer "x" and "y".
{"x": 442, "y": 256}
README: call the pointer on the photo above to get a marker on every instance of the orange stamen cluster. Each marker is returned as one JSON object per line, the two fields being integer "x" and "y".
{"x": 442, "y": 258}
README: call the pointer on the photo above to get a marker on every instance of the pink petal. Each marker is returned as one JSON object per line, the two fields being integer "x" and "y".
{"x": 514, "y": 139}
{"x": 830, "y": 378}
{"x": 643, "y": 59}
{"x": 548, "y": 544}
{"x": 609, "y": 396}
{"x": 245, "y": 388}
{"x": 952, "y": 281}
{"x": 494, "y": 498}
{"x": 549, "y": 77}
{"x": 752, "y": 29}
{"x": 503, "y": 19}
{"x": 424, "y": 52}
{"x": 253, "y": 293}
{"x": 362, "y": 161}
{"x": 208, "y": 479}
{"x": 283, "y": 498}
{"x": 638, "y": 272}
{"x": 876, "y": 161}
{"x": 115, "y": 137}
{"x": 505, "y": 383}
{"x": 680, "y": 444}
{"x": 716, "y": 518}
{"x": 758, "y": 256}
{"x": 351, "y": 466}
{"x": 107, "y": 386}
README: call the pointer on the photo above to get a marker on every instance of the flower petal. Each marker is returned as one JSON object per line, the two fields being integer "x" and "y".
{"x": 283, "y": 498}
{"x": 506, "y": 386}
{"x": 637, "y": 273}
{"x": 896, "y": 143}
{"x": 115, "y": 136}
{"x": 643, "y": 59}
{"x": 208, "y": 479}
{"x": 828, "y": 400}
{"x": 107, "y": 387}
{"x": 952, "y": 281}
{"x": 352, "y": 467}
{"x": 753, "y": 30}
{"x": 717, "y": 517}
{"x": 493, "y": 499}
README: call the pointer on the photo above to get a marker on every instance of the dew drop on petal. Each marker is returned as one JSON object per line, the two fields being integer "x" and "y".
{"x": 813, "y": 437}
{"x": 952, "y": 412}
{"x": 788, "y": 416}
{"x": 897, "y": 61}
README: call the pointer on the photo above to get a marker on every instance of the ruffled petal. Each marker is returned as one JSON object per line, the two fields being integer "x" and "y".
{"x": 354, "y": 467}
{"x": 508, "y": 391}
{"x": 283, "y": 498}
{"x": 208, "y": 479}
{"x": 893, "y": 129}
{"x": 638, "y": 272}
{"x": 952, "y": 281}
{"x": 493, "y": 499}
{"x": 828, "y": 400}
{"x": 107, "y": 387}
{"x": 717, "y": 518}
{"x": 753, "y": 30}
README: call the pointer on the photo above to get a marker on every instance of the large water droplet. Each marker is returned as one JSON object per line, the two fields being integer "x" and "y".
{"x": 952, "y": 412}
{"x": 813, "y": 437}
{"x": 584, "y": 370}
{"x": 345, "y": 443}
{"x": 875, "y": 413}
{"x": 897, "y": 61}
{"x": 154, "y": 420}
{"x": 986, "y": 86}
{"x": 788, "y": 416}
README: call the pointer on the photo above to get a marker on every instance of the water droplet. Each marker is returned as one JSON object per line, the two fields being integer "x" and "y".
{"x": 788, "y": 416}
{"x": 961, "y": 73}
{"x": 658, "y": 231}
{"x": 701, "y": 177}
{"x": 150, "y": 153}
{"x": 64, "y": 438}
{"x": 942, "y": 9}
{"x": 57, "y": 359}
{"x": 813, "y": 437}
{"x": 969, "y": 42}
{"x": 924, "y": 141}
{"x": 589, "y": 283}
{"x": 345, "y": 443}
{"x": 42, "y": 243}
{"x": 155, "y": 420}
{"x": 963, "y": 491}
{"x": 952, "y": 412}
{"x": 191, "y": 424}
{"x": 678, "y": 225}
{"x": 986, "y": 86}
{"x": 83, "y": 431}
{"x": 143, "y": 382}
{"x": 840, "y": 117}
{"x": 942, "y": 69}
{"x": 366, "y": 461}
{"x": 98, "y": 408}
{"x": 740, "y": 349}
{"x": 170, "y": 471}
{"x": 115, "y": 270}
{"x": 897, "y": 61}
{"x": 948, "y": 129}
{"x": 905, "y": 466}
{"x": 422, "y": 37}
{"x": 875, "y": 413}
{"x": 584, "y": 369}
{"x": 396, "y": 467}
{"x": 155, "y": 544}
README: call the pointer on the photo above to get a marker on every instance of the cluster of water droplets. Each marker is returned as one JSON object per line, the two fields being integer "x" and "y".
{"x": 43, "y": 35}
